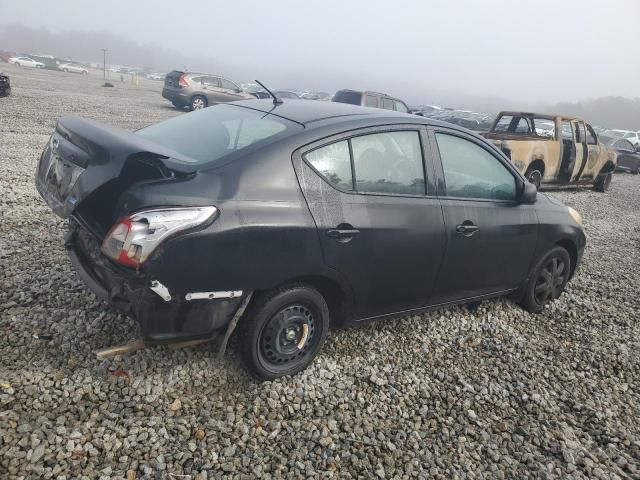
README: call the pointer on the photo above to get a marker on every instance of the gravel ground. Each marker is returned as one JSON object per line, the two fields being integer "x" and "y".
{"x": 490, "y": 393}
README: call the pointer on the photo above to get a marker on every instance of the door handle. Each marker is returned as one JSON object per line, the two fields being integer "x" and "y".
{"x": 342, "y": 233}
{"x": 467, "y": 229}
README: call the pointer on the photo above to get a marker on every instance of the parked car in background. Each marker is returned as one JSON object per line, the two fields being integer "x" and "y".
{"x": 5, "y": 56}
{"x": 26, "y": 62}
{"x": 155, "y": 76}
{"x": 219, "y": 218}
{"x": 633, "y": 137}
{"x": 49, "y": 61}
{"x": 568, "y": 153}
{"x": 324, "y": 96}
{"x": 5, "y": 84}
{"x": 73, "y": 68}
{"x": 370, "y": 99}
{"x": 627, "y": 157}
{"x": 200, "y": 90}
{"x": 286, "y": 94}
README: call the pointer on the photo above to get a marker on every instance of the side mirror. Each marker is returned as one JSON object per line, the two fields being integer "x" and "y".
{"x": 529, "y": 193}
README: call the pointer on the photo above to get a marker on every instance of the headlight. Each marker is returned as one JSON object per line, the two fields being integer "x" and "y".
{"x": 575, "y": 215}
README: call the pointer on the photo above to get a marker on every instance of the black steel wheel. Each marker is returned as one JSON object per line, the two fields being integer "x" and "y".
{"x": 547, "y": 280}
{"x": 287, "y": 336}
{"x": 283, "y": 331}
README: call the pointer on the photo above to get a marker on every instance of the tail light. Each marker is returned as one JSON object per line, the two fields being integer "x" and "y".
{"x": 183, "y": 82}
{"x": 134, "y": 238}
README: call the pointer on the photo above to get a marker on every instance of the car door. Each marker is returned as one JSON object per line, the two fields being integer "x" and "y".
{"x": 211, "y": 89}
{"x": 491, "y": 237}
{"x": 582, "y": 151}
{"x": 596, "y": 155}
{"x": 379, "y": 224}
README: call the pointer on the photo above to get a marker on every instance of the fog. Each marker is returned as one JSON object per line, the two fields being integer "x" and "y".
{"x": 466, "y": 52}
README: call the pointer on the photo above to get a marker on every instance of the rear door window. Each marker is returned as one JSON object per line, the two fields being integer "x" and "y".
{"x": 387, "y": 103}
{"x": 334, "y": 164}
{"x": 211, "y": 81}
{"x": 371, "y": 101}
{"x": 389, "y": 162}
{"x": 470, "y": 171}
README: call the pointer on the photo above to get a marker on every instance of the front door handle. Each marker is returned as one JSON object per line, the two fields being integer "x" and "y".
{"x": 467, "y": 228}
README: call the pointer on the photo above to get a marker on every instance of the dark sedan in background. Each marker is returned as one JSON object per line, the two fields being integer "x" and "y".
{"x": 281, "y": 218}
{"x": 628, "y": 156}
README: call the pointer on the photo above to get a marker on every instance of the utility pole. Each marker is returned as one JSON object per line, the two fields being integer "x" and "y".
{"x": 104, "y": 63}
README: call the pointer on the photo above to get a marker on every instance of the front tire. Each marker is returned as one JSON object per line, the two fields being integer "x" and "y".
{"x": 198, "y": 102}
{"x": 283, "y": 331}
{"x": 602, "y": 182}
{"x": 547, "y": 281}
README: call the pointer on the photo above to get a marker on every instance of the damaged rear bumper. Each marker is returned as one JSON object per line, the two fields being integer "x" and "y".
{"x": 163, "y": 316}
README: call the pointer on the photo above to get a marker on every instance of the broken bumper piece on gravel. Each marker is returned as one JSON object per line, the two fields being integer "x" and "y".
{"x": 164, "y": 316}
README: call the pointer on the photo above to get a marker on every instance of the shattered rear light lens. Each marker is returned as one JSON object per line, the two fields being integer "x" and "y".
{"x": 134, "y": 238}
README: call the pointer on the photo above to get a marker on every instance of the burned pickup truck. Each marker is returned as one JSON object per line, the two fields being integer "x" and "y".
{"x": 553, "y": 149}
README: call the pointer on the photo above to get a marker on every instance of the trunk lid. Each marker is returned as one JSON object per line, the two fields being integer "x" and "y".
{"x": 83, "y": 156}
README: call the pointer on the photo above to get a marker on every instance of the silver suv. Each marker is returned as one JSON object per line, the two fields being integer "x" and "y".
{"x": 199, "y": 90}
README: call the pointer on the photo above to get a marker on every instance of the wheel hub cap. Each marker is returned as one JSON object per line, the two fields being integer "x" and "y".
{"x": 287, "y": 335}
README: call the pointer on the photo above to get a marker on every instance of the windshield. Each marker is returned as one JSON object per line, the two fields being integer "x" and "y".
{"x": 215, "y": 132}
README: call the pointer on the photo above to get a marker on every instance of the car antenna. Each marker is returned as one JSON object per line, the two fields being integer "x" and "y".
{"x": 276, "y": 100}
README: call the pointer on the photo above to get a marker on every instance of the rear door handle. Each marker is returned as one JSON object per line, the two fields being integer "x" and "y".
{"x": 342, "y": 233}
{"x": 467, "y": 229}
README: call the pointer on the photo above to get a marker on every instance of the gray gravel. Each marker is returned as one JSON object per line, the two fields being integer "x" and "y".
{"x": 490, "y": 393}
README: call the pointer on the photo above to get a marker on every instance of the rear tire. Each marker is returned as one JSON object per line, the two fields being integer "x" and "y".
{"x": 198, "y": 102}
{"x": 602, "y": 182}
{"x": 283, "y": 331}
{"x": 534, "y": 176}
{"x": 547, "y": 280}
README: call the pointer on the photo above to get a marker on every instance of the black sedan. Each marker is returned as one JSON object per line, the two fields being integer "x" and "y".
{"x": 628, "y": 158}
{"x": 283, "y": 217}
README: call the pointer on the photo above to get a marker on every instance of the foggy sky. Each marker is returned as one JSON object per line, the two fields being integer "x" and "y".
{"x": 531, "y": 51}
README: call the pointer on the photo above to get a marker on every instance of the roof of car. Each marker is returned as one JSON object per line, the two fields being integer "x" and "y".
{"x": 307, "y": 111}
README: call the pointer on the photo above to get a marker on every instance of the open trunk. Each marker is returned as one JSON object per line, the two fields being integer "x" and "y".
{"x": 87, "y": 165}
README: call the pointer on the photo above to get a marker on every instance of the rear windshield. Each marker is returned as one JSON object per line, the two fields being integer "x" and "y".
{"x": 354, "y": 98}
{"x": 212, "y": 133}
